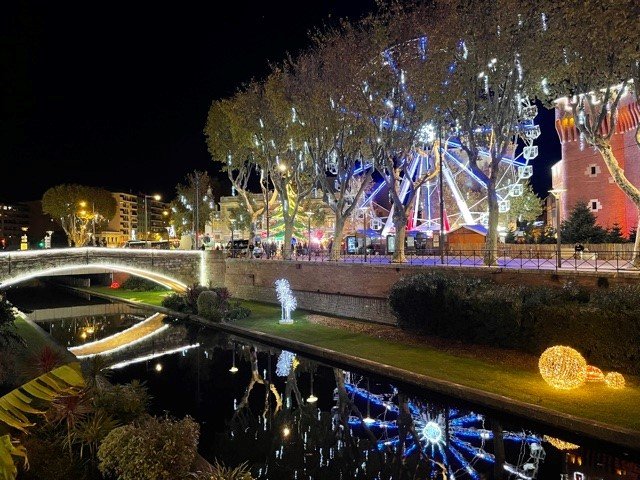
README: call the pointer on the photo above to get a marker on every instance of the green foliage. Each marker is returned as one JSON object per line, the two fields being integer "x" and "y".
{"x": 199, "y": 192}
{"x": 139, "y": 284}
{"x": 581, "y": 226}
{"x": 237, "y": 312}
{"x": 604, "y": 325}
{"x": 175, "y": 302}
{"x": 614, "y": 235}
{"x": 524, "y": 208}
{"x": 153, "y": 449}
{"x": 125, "y": 403}
{"x": 47, "y": 460}
{"x": 209, "y": 306}
{"x": 17, "y": 404}
{"x": 8, "y": 334}
{"x": 9, "y": 450}
{"x": 78, "y": 205}
{"x": 221, "y": 472}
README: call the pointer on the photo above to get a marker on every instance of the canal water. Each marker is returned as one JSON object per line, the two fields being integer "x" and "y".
{"x": 291, "y": 417}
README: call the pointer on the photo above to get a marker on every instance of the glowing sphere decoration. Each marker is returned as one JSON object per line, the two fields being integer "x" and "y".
{"x": 563, "y": 367}
{"x": 594, "y": 374}
{"x": 614, "y": 380}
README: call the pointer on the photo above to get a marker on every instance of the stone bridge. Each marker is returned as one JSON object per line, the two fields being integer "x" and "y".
{"x": 172, "y": 268}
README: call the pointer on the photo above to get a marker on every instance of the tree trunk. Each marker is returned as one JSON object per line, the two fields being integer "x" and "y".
{"x": 337, "y": 238}
{"x": 288, "y": 233}
{"x": 401, "y": 233}
{"x": 630, "y": 190}
{"x": 491, "y": 242}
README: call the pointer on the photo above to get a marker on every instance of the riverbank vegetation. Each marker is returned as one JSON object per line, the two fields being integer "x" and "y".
{"x": 603, "y": 324}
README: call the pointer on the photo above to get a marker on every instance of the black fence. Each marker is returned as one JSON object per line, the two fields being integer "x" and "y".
{"x": 532, "y": 259}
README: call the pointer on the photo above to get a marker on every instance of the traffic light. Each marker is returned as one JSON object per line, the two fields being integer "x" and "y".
{"x": 41, "y": 244}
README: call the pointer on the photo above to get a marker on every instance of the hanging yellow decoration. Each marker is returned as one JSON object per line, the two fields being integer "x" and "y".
{"x": 560, "y": 444}
{"x": 614, "y": 380}
{"x": 563, "y": 367}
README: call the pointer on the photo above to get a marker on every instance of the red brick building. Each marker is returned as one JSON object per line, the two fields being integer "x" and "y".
{"x": 584, "y": 175}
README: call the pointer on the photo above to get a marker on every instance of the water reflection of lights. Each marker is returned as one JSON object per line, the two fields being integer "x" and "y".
{"x": 452, "y": 439}
{"x": 152, "y": 356}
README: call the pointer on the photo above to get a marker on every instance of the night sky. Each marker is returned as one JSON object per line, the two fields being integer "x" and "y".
{"x": 116, "y": 94}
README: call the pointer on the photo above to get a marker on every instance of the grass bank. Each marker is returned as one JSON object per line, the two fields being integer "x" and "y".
{"x": 152, "y": 298}
{"x": 592, "y": 401}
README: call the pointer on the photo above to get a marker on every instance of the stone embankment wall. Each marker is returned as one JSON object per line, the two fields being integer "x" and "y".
{"x": 361, "y": 290}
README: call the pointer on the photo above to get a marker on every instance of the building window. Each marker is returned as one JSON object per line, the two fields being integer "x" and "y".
{"x": 595, "y": 205}
{"x": 593, "y": 170}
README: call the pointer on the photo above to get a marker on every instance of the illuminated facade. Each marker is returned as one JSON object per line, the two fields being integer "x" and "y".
{"x": 13, "y": 218}
{"x": 584, "y": 175}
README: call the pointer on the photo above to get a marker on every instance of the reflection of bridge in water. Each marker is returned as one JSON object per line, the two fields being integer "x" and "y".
{"x": 138, "y": 333}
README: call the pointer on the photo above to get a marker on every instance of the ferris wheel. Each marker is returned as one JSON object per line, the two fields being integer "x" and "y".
{"x": 464, "y": 191}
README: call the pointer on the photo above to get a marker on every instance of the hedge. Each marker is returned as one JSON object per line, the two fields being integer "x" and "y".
{"x": 604, "y": 325}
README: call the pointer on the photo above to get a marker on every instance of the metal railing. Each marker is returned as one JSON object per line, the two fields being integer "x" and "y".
{"x": 593, "y": 260}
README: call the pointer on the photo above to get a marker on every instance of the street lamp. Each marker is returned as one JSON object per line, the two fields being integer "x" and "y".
{"x": 308, "y": 213}
{"x": 557, "y": 194}
{"x": 157, "y": 198}
{"x": 233, "y": 224}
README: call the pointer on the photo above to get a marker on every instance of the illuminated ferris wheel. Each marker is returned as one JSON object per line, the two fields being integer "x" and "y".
{"x": 464, "y": 190}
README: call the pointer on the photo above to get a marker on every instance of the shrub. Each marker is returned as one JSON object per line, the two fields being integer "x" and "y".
{"x": 125, "y": 403}
{"x": 219, "y": 471}
{"x": 237, "y": 312}
{"x": 175, "y": 302}
{"x": 154, "y": 449}
{"x": 604, "y": 326}
{"x": 139, "y": 284}
{"x": 209, "y": 306}
{"x": 191, "y": 297}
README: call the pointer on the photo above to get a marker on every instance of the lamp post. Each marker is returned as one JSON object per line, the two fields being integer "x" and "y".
{"x": 557, "y": 195}
{"x": 308, "y": 213}
{"x": 364, "y": 232}
{"x": 156, "y": 197}
{"x": 233, "y": 224}
{"x": 440, "y": 189}
{"x": 268, "y": 247}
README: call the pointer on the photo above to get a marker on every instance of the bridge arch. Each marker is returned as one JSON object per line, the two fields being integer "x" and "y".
{"x": 161, "y": 279}
{"x": 173, "y": 268}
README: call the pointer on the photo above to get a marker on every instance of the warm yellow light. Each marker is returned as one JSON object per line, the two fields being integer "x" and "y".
{"x": 90, "y": 330}
{"x": 312, "y": 399}
{"x": 165, "y": 213}
{"x": 158, "y": 367}
{"x": 282, "y": 167}
{"x": 560, "y": 444}
{"x": 286, "y": 432}
{"x": 594, "y": 374}
{"x": 83, "y": 204}
{"x": 83, "y": 335}
{"x": 157, "y": 197}
{"x": 614, "y": 380}
{"x": 233, "y": 369}
{"x": 563, "y": 367}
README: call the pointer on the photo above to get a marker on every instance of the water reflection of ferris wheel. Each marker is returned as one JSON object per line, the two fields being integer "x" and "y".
{"x": 456, "y": 442}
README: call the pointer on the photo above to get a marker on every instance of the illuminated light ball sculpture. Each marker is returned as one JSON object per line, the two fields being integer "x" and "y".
{"x": 287, "y": 301}
{"x": 614, "y": 380}
{"x": 594, "y": 374}
{"x": 563, "y": 367}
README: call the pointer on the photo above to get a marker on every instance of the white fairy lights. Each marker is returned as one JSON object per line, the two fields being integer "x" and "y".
{"x": 287, "y": 300}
